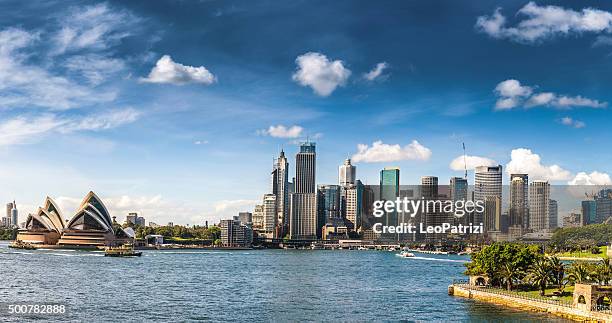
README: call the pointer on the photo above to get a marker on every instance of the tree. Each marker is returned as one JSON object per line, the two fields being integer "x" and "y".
{"x": 578, "y": 272}
{"x": 557, "y": 269}
{"x": 602, "y": 272}
{"x": 511, "y": 271}
{"x": 540, "y": 273}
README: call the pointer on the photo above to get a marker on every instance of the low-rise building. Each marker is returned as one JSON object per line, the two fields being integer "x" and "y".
{"x": 235, "y": 234}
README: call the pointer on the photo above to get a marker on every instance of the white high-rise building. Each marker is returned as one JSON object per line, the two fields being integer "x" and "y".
{"x": 269, "y": 215}
{"x": 354, "y": 199}
{"x": 347, "y": 173}
{"x": 519, "y": 201}
{"x": 539, "y": 205}
{"x": 488, "y": 188}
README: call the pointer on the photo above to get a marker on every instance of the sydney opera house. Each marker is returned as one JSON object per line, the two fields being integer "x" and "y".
{"x": 90, "y": 227}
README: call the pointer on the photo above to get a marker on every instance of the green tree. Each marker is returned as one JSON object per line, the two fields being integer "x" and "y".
{"x": 602, "y": 272}
{"x": 578, "y": 272}
{"x": 540, "y": 273}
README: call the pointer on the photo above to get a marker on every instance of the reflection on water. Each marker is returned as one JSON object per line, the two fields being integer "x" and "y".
{"x": 266, "y": 285}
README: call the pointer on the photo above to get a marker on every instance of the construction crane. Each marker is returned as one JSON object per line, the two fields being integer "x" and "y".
{"x": 464, "y": 161}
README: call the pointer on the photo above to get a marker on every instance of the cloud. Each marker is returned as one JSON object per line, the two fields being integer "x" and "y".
{"x": 567, "y": 121}
{"x": 376, "y": 72}
{"x": 602, "y": 41}
{"x": 458, "y": 164}
{"x": 25, "y": 85}
{"x": 200, "y": 142}
{"x": 281, "y": 131}
{"x": 511, "y": 94}
{"x": 523, "y": 160}
{"x": 168, "y": 71}
{"x": 96, "y": 27}
{"x": 541, "y": 23}
{"x": 594, "y": 178}
{"x": 27, "y": 129}
{"x": 381, "y": 152}
{"x": 95, "y": 68}
{"x": 321, "y": 74}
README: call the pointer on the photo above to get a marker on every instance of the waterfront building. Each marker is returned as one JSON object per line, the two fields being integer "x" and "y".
{"x": 14, "y": 215}
{"x": 134, "y": 219}
{"x": 303, "y": 219}
{"x": 235, "y": 234}
{"x": 553, "y": 215}
{"x": 269, "y": 216}
{"x": 258, "y": 217}
{"x": 45, "y": 226}
{"x": 347, "y": 173}
{"x": 245, "y": 217}
{"x": 353, "y": 196}
{"x": 488, "y": 188}
{"x": 281, "y": 190}
{"x": 389, "y": 191}
{"x": 303, "y": 208}
{"x": 328, "y": 206}
{"x": 539, "y": 206}
{"x": 519, "y": 200}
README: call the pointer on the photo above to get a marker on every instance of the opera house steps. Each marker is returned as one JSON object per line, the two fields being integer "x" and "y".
{"x": 90, "y": 227}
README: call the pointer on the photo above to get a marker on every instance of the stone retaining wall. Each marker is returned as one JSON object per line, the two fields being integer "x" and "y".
{"x": 527, "y": 304}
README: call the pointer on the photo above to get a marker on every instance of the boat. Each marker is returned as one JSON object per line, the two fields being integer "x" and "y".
{"x": 362, "y": 248}
{"x": 406, "y": 254}
{"x": 18, "y": 244}
{"x": 126, "y": 250}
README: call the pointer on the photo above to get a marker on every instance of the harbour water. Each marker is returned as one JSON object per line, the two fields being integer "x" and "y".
{"x": 253, "y": 285}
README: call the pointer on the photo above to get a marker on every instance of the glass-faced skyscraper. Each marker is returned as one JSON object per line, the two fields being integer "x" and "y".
{"x": 389, "y": 191}
{"x": 303, "y": 213}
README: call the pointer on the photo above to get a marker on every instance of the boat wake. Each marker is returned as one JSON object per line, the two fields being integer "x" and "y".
{"x": 438, "y": 259}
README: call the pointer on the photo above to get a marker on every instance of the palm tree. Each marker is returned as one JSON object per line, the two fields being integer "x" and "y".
{"x": 510, "y": 271}
{"x": 540, "y": 273}
{"x": 558, "y": 270}
{"x": 602, "y": 272}
{"x": 578, "y": 272}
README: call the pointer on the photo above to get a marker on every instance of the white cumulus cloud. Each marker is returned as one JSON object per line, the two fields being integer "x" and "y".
{"x": 281, "y": 131}
{"x": 511, "y": 94}
{"x": 381, "y": 152}
{"x": 459, "y": 164}
{"x": 539, "y": 23}
{"x": 594, "y": 178}
{"x": 168, "y": 71}
{"x": 321, "y": 74}
{"x": 376, "y": 72}
{"x": 523, "y": 160}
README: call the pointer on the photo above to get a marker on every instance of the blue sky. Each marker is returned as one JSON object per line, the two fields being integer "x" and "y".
{"x": 176, "y": 108}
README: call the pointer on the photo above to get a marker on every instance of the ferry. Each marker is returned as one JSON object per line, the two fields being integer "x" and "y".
{"x": 127, "y": 250}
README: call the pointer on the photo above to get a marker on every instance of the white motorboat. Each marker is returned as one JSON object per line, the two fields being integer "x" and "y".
{"x": 406, "y": 254}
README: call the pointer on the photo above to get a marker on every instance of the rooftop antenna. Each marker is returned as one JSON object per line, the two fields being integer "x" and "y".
{"x": 464, "y": 160}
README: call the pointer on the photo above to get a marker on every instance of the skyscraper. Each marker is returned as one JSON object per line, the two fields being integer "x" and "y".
{"x": 519, "y": 201}
{"x": 389, "y": 191}
{"x": 539, "y": 205}
{"x": 347, "y": 173}
{"x": 488, "y": 188}
{"x": 458, "y": 189}
{"x": 353, "y": 200}
{"x": 553, "y": 215}
{"x": 280, "y": 189}
{"x": 303, "y": 213}
{"x": 269, "y": 215}
{"x": 11, "y": 215}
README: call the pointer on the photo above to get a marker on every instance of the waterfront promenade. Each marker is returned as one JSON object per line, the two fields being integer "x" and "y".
{"x": 513, "y": 299}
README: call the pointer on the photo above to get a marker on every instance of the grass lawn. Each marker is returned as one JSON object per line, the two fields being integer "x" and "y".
{"x": 567, "y": 293}
{"x": 579, "y": 254}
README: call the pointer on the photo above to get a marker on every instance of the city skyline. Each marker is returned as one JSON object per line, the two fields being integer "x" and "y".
{"x": 158, "y": 115}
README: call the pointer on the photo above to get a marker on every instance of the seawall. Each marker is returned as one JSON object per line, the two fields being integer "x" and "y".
{"x": 528, "y": 304}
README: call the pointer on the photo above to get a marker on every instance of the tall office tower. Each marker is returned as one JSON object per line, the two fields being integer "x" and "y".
{"x": 458, "y": 189}
{"x": 539, "y": 204}
{"x": 389, "y": 191}
{"x": 367, "y": 201}
{"x": 553, "y": 214}
{"x": 9, "y": 214}
{"x": 280, "y": 188}
{"x": 303, "y": 210}
{"x": 589, "y": 212}
{"x": 328, "y": 200}
{"x": 429, "y": 187}
{"x": 305, "y": 167}
{"x": 519, "y": 201}
{"x": 269, "y": 215}
{"x": 488, "y": 188}
{"x": 258, "y": 217}
{"x": 353, "y": 205}
{"x": 347, "y": 173}
{"x": 603, "y": 199}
